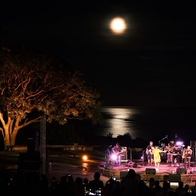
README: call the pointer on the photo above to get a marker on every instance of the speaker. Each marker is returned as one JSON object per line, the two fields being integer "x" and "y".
{"x": 150, "y": 171}
{"x": 174, "y": 177}
{"x": 181, "y": 170}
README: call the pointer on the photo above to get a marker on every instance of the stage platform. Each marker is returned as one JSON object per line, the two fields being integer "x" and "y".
{"x": 166, "y": 172}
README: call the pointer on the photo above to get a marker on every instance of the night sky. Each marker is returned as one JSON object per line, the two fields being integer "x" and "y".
{"x": 151, "y": 64}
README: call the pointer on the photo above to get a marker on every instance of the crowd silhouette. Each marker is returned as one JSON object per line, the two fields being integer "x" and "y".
{"x": 33, "y": 183}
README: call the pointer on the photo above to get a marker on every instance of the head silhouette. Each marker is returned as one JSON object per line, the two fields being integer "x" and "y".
{"x": 97, "y": 175}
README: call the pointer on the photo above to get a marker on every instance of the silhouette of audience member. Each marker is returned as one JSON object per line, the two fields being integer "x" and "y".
{"x": 79, "y": 187}
{"x": 129, "y": 184}
{"x": 151, "y": 183}
{"x": 167, "y": 188}
{"x": 138, "y": 177}
{"x": 117, "y": 191}
{"x": 33, "y": 183}
{"x": 180, "y": 189}
{"x": 86, "y": 182}
{"x": 62, "y": 189}
{"x": 70, "y": 185}
{"x": 53, "y": 186}
{"x": 187, "y": 189}
{"x": 110, "y": 187}
{"x": 43, "y": 185}
{"x": 97, "y": 183}
{"x": 143, "y": 189}
{"x": 157, "y": 189}
{"x": 132, "y": 184}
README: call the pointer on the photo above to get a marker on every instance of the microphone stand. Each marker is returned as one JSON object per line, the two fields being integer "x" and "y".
{"x": 166, "y": 137}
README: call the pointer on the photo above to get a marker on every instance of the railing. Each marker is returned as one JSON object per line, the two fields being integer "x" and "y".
{"x": 24, "y": 148}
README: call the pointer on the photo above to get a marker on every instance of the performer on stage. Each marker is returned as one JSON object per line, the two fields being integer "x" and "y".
{"x": 178, "y": 155}
{"x": 174, "y": 154}
{"x": 171, "y": 146}
{"x": 117, "y": 149}
{"x": 187, "y": 155}
{"x": 149, "y": 153}
{"x": 189, "y": 151}
{"x": 164, "y": 149}
{"x": 157, "y": 156}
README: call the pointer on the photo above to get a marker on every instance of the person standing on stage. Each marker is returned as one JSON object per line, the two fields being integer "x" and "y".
{"x": 189, "y": 151}
{"x": 164, "y": 148}
{"x": 171, "y": 146}
{"x": 117, "y": 150}
{"x": 157, "y": 156}
{"x": 149, "y": 153}
{"x": 187, "y": 155}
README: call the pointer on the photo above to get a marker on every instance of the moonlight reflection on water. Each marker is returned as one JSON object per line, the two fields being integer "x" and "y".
{"x": 150, "y": 123}
{"x": 119, "y": 121}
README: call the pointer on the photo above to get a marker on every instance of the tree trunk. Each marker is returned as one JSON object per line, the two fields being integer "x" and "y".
{"x": 9, "y": 140}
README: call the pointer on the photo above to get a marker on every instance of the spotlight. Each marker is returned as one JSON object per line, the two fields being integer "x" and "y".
{"x": 113, "y": 157}
{"x": 84, "y": 157}
{"x": 179, "y": 143}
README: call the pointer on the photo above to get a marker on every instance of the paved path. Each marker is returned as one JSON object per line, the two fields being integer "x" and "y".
{"x": 76, "y": 167}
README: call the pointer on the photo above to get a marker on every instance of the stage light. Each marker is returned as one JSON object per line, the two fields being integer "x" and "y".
{"x": 113, "y": 157}
{"x": 179, "y": 143}
{"x": 84, "y": 157}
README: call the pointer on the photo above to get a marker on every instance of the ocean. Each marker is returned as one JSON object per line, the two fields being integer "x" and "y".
{"x": 150, "y": 123}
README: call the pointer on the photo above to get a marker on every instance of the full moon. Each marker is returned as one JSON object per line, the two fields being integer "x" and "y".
{"x": 118, "y": 25}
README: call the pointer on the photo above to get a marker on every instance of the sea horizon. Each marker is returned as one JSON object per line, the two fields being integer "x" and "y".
{"x": 150, "y": 123}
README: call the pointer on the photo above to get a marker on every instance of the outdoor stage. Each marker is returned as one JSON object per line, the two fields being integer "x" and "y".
{"x": 166, "y": 172}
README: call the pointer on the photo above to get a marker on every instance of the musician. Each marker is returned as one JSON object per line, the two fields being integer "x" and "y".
{"x": 179, "y": 151}
{"x": 171, "y": 146}
{"x": 189, "y": 151}
{"x": 149, "y": 153}
{"x": 164, "y": 149}
{"x": 175, "y": 154}
{"x": 187, "y": 155}
{"x": 117, "y": 149}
